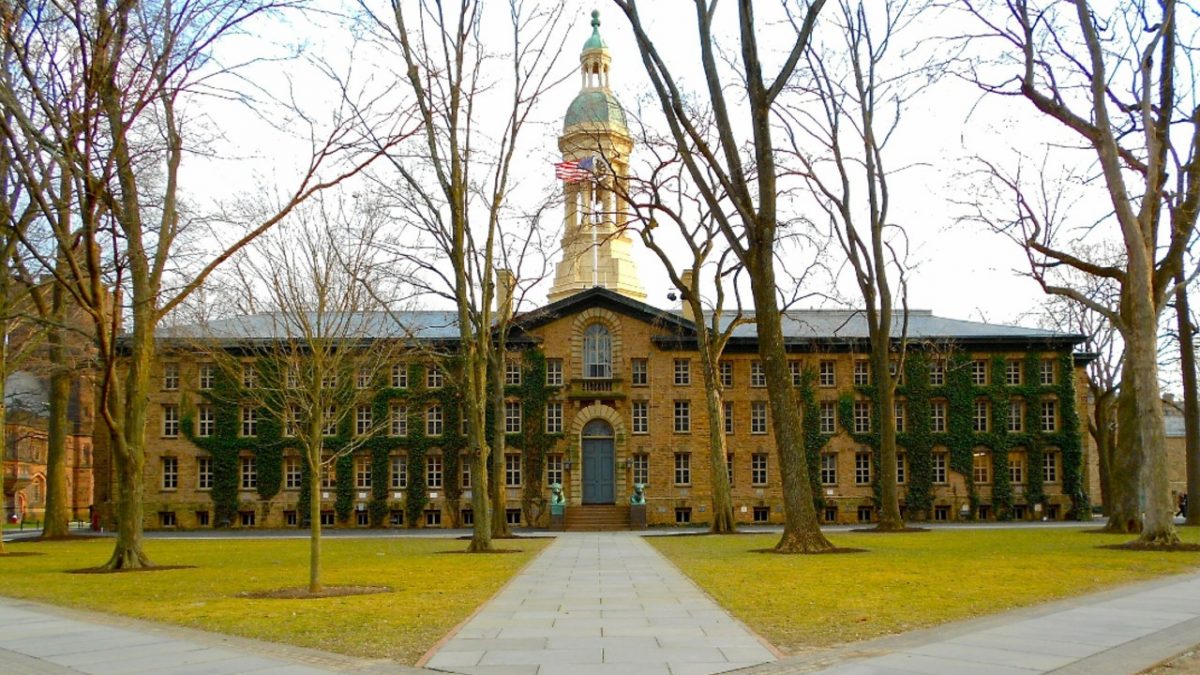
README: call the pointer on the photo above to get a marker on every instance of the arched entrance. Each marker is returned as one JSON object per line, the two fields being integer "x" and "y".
{"x": 599, "y": 463}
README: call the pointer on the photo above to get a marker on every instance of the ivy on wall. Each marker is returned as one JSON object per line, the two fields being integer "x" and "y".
{"x": 814, "y": 440}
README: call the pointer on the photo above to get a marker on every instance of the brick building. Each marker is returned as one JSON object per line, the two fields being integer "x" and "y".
{"x": 605, "y": 392}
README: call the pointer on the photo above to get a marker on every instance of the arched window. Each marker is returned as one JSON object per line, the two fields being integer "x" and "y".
{"x": 597, "y": 352}
{"x": 597, "y": 429}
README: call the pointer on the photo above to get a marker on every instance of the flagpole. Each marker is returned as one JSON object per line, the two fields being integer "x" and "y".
{"x": 595, "y": 246}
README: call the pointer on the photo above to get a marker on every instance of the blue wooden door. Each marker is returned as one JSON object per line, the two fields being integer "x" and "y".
{"x": 598, "y": 471}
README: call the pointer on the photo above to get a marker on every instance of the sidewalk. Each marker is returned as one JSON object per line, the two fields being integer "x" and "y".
{"x": 1117, "y": 632}
{"x": 599, "y": 604}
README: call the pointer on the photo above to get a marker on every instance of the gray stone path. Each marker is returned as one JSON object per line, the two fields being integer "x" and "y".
{"x": 603, "y": 603}
{"x": 36, "y": 638}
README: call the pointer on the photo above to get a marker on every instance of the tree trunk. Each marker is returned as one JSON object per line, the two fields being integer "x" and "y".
{"x": 3, "y": 422}
{"x": 1141, "y": 366}
{"x": 128, "y": 554}
{"x": 57, "y": 517}
{"x": 499, "y": 484}
{"x": 890, "y": 519}
{"x": 1103, "y": 433}
{"x": 314, "y": 520}
{"x": 722, "y": 501}
{"x": 1124, "y": 507}
{"x": 1191, "y": 405}
{"x": 801, "y": 530}
{"x": 476, "y": 404}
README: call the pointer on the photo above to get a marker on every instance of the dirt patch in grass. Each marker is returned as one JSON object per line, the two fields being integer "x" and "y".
{"x": 301, "y": 593}
{"x": 130, "y": 570}
{"x": 829, "y": 551}
{"x": 1154, "y": 548}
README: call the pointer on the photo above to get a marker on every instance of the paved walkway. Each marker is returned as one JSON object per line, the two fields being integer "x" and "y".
{"x": 601, "y": 603}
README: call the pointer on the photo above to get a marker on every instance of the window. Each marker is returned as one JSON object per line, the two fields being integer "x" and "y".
{"x": 206, "y": 424}
{"x": 797, "y": 371}
{"x": 292, "y": 474}
{"x": 597, "y": 352}
{"x": 939, "y": 467}
{"x": 329, "y": 380}
{"x": 728, "y": 414}
{"x": 1012, "y": 373}
{"x": 170, "y": 421}
{"x": 683, "y": 515}
{"x": 828, "y": 469}
{"x": 328, "y": 473}
{"x": 400, "y": 376}
{"x": 758, "y": 468}
{"x": 291, "y": 421}
{"x": 433, "y": 377}
{"x": 362, "y": 379}
{"x": 400, "y": 472}
{"x": 941, "y": 512}
{"x": 758, "y": 377}
{"x": 512, "y": 516}
{"x": 683, "y": 417}
{"x": 433, "y": 420}
{"x": 937, "y": 372}
{"x": 862, "y": 372}
{"x": 828, "y": 423}
{"x": 433, "y": 471}
{"x": 1049, "y": 416}
{"x": 170, "y": 473}
{"x": 683, "y": 468}
{"x": 729, "y": 467}
{"x": 641, "y": 417}
{"x": 831, "y": 513}
{"x": 865, "y": 513}
{"x": 249, "y": 421}
{"x": 862, "y": 468}
{"x": 901, "y": 409}
{"x": 981, "y": 421}
{"x": 202, "y": 518}
{"x": 979, "y": 372}
{"x": 206, "y": 375}
{"x": 1016, "y": 416}
{"x": 166, "y": 518}
{"x": 247, "y": 518}
{"x": 293, "y": 377}
{"x": 512, "y": 471}
{"x": 639, "y": 373}
{"x": 683, "y": 371}
{"x": 399, "y": 420}
{"x": 204, "y": 473}
{"x": 554, "y": 417}
{"x": 362, "y": 420}
{"x": 362, "y": 473}
{"x": 1047, "y": 371}
{"x": 641, "y": 469}
{"x": 1050, "y": 467}
{"x": 249, "y": 473}
{"x": 827, "y": 377}
{"x": 901, "y": 468}
{"x": 894, "y": 371}
{"x": 937, "y": 416}
{"x": 329, "y": 428}
{"x": 465, "y": 477}
{"x": 327, "y": 518}
{"x": 862, "y": 417}
{"x": 725, "y": 373}
{"x": 554, "y": 372}
{"x": 554, "y": 469}
{"x": 762, "y": 514}
{"x": 758, "y": 417}
{"x": 1016, "y": 468}
{"x": 981, "y": 467}
{"x": 249, "y": 376}
{"x": 170, "y": 376}
{"x": 512, "y": 372}
{"x": 512, "y": 417}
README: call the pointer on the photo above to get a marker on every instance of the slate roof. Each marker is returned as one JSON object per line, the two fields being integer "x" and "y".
{"x": 419, "y": 324}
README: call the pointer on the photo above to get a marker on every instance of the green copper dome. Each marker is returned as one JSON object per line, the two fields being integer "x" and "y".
{"x": 595, "y": 41}
{"x": 595, "y": 107}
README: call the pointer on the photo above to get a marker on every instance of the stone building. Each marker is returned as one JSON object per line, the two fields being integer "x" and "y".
{"x": 605, "y": 391}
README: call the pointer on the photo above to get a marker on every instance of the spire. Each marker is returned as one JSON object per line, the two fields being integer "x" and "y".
{"x": 594, "y": 60}
{"x": 595, "y": 41}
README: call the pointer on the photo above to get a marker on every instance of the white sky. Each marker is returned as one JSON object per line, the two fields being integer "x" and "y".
{"x": 957, "y": 270}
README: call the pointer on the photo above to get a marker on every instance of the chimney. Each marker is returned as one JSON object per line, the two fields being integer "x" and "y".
{"x": 688, "y": 277}
{"x": 506, "y": 282}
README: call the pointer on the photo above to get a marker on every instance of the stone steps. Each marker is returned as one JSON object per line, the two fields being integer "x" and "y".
{"x": 597, "y": 517}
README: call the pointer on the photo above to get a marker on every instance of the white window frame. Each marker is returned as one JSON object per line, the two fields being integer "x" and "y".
{"x": 512, "y": 470}
{"x": 862, "y": 468}
{"x": 435, "y": 420}
{"x": 725, "y": 373}
{"x": 597, "y": 352}
{"x": 758, "y": 376}
{"x": 170, "y": 420}
{"x": 554, "y": 417}
{"x": 758, "y": 468}
{"x": 639, "y": 372}
{"x": 399, "y": 376}
{"x": 554, "y": 372}
{"x": 641, "y": 468}
{"x": 205, "y": 376}
{"x": 170, "y": 472}
{"x": 683, "y": 416}
{"x": 640, "y": 417}
{"x": 758, "y": 417}
{"x": 399, "y": 472}
{"x": 433, "y": 471}
{"x": 512, "y": 372}
{"x": 204, "y": 473}
{"x": 827, "y": 375}
{"x": 399, "y": 420}
{"x": 828, "y": 468}
{"x": 248, "y": 472}
{"x": 512, "y": 417}
{"x": 862, "y": 417}
{"x": 683, "y": 468}
{"x": 249, "y": 421}
{"x": 683, "y": 372}
{"x": 364, "y": 419}
{"x": 206, "y": 421}
{"x": 827, "y": 416}
{"x": 170, "y": 376}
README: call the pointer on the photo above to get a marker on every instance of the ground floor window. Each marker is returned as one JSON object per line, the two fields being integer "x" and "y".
{"x": 941, "y": 513}
{"x": 362, "y": 518}
{"x": 433, "y": 518}
{"x": 762, "y": 514}
{"x": 1018, "y": 512}
{"x": 865, "y": 513}
{"x": 202, "y": 519}
{"x": 512, "y": 516}
{"x": 683, "y": 515}
{"x": 327, "y": 518}
{"x": 831, "y": 514}
{"x": 1052, "y": 511}
{"x": 467, "y": 516}
{"x": 985, "y": 512}
{"x": 291, "y": 518}
{"x": 247, "y": 518}
{"x": 166, "y": 518}
{"x": 396, "y": 518}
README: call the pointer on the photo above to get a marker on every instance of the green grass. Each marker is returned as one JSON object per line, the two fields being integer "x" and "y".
{"x": 906, "y": 581}
{"x": 432, "y": 591}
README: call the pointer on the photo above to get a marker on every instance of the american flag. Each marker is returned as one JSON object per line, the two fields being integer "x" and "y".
{"x": 574, "y": 172}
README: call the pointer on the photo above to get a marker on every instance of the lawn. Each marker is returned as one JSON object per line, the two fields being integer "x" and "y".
{"x": 432, "y": 590}
{"x": 906, "y": 581}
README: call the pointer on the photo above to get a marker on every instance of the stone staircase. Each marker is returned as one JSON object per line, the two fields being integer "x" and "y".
{"x": 597, "y": 517}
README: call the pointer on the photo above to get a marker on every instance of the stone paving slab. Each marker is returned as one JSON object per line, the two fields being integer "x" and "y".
{"x": 602, "y": 603}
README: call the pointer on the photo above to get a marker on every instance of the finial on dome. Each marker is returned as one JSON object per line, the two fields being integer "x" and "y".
{"x": 596, "y": 19}
{"x": 595, "y": 41}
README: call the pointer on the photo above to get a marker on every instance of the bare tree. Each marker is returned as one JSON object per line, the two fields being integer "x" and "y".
{"x": 474, "y": 100}
{"x": 315, "y": 330}
{"x": 92, "y": 114}
{"x": 1120, "y": 83}
{"x": 1186, "y": 327}
{"x": 839, "y": 139}
{"x": 718, "y": 167}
